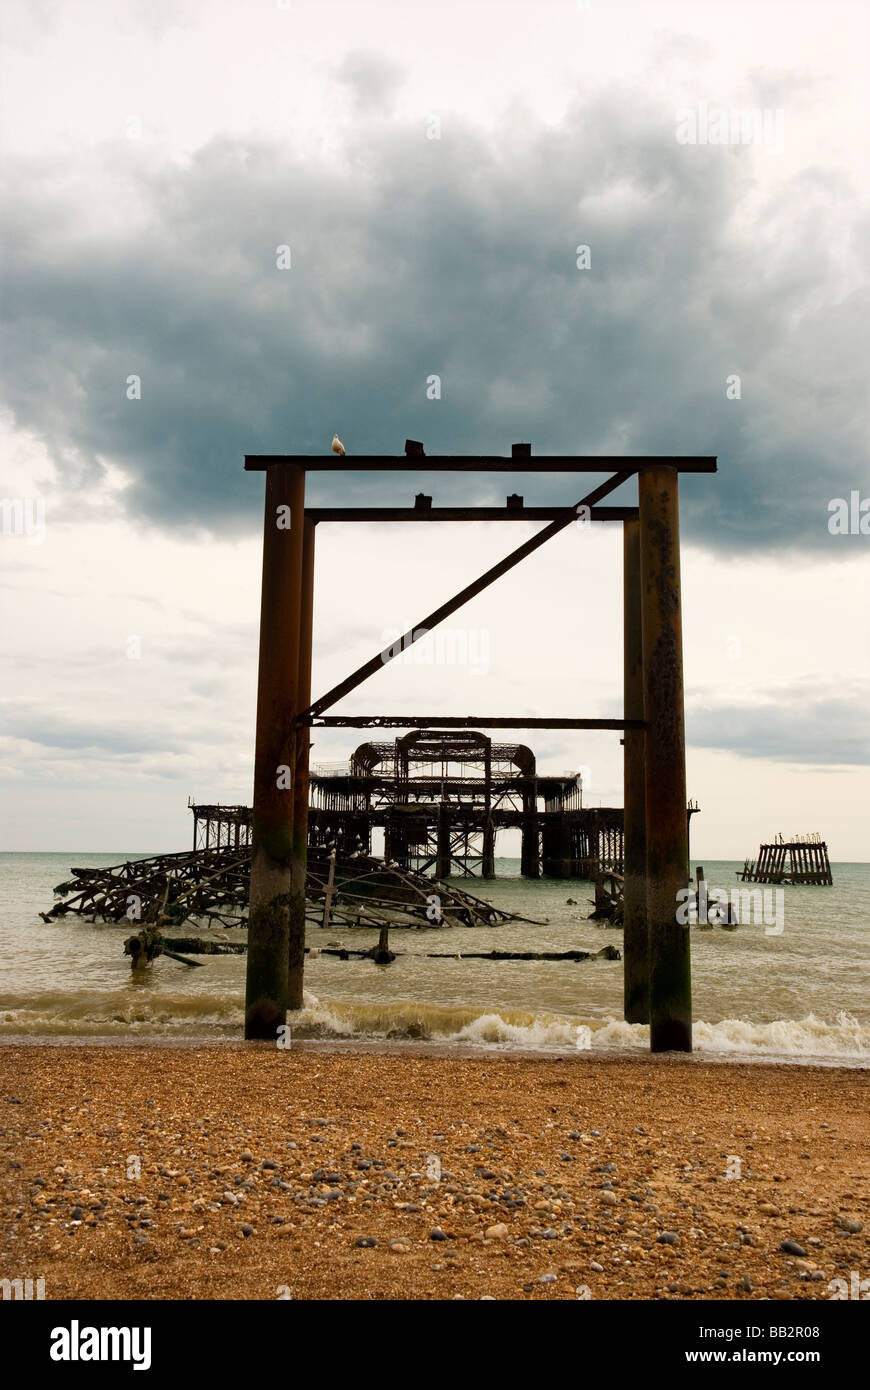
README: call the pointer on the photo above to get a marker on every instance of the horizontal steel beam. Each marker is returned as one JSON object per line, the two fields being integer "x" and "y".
{"x": 318, "y": 514}
{"x": 470, "y": 721}
{"x": 474, "y": 463}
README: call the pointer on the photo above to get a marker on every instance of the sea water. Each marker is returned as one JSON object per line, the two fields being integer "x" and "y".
{"x": 798, "y": 994}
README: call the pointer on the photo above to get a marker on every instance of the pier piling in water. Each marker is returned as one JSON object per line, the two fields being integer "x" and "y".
{"x": 667, "y": 825}
{"x": 636, "y": 934}
{"x": 266, "y": 996}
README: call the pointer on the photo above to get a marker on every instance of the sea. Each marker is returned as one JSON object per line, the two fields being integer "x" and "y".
{"x": 793, "y": 989}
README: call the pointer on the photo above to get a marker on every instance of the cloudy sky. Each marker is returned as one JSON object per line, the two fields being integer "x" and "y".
{"x": 430, "y": 171}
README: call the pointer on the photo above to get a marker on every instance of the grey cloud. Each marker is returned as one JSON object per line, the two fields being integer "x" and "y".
{"x": 372, "y": 80}
{"x": 58, "y": 732}
{"x": 801, "y": 725}
{"x": 454, "y": 257}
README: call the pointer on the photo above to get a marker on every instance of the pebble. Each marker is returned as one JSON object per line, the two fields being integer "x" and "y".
{"x": 246, "y": 1229}
{"x": 547, "y": 1279}
{"x": 365, "y": 1242}
{"x": 437, "y": 1234}
{"x": 848, "y": 1223}
{"x": 399, "y": 1247}
{"x": 497, "y": 1232}
{"x": 246, "y": 1157}
{"x": 607, "y": 1197}
{"x": 667, "y": 1238}
{"x": 791, "y": 1247}
{"x": 594, "y": 1265}
{"x": 747, "y": 1283}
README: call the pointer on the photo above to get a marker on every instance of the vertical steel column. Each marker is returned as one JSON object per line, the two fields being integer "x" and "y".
{"x": 487, "y": 867}
{"x": 299, "y": 864}
{"x": 530, "y": 860}
{"x": 274, "y": 757}
{"x": 665, "y": 761}
{"x": 635, "y": 933}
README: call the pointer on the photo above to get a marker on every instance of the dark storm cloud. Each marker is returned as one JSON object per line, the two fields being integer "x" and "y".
{"x": 801, "y": 725}
{"x": 412, "y": 257}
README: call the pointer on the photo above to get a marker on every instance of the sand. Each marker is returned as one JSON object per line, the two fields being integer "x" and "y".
{"x": 155, "y": 1172}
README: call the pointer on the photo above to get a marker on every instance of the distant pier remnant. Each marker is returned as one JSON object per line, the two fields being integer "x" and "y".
{"x": 801, "y": 860}
{"x": 220, "y": 827}
{"x": 656, "y": 825}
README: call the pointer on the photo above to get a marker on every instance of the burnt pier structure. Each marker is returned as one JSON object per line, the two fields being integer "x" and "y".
{"x": 441, "y": 796}
{"x": 657, "y": 966}
{"x": 803, "y": 859}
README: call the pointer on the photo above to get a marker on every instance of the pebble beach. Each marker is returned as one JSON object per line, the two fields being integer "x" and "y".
{"x": 244, "y": 1172}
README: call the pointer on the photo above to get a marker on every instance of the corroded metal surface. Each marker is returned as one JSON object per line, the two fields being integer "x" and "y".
{"x": 665, "y": 762}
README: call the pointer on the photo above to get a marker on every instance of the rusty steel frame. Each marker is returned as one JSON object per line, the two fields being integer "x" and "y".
{"x": 656, "y": 741}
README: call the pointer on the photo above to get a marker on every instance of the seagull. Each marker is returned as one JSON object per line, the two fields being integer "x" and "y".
{"x": 337, "y": 446}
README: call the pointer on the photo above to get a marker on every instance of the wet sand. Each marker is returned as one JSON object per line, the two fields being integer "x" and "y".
{"x": 246, "y": 1172}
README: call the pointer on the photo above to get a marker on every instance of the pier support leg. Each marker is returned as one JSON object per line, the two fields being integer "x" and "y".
{"x": 299, "y": 862}
{"x": 274, "y": 757}
{"x": 635, "y": 934}
{"x": 442, "y": 861}
{"x": 488, "y": 865}
{"x": 530, "y": 863}
{"x": 665, "y": 761}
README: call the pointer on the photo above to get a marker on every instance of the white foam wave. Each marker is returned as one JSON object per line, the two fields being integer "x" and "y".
{"x": 219, "y": 1014}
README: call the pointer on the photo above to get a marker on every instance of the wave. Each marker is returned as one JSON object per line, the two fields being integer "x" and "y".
{"x": 218, "y": 1014}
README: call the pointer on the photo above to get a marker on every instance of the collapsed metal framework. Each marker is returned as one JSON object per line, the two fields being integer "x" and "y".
{"x": 656, "y": 947}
